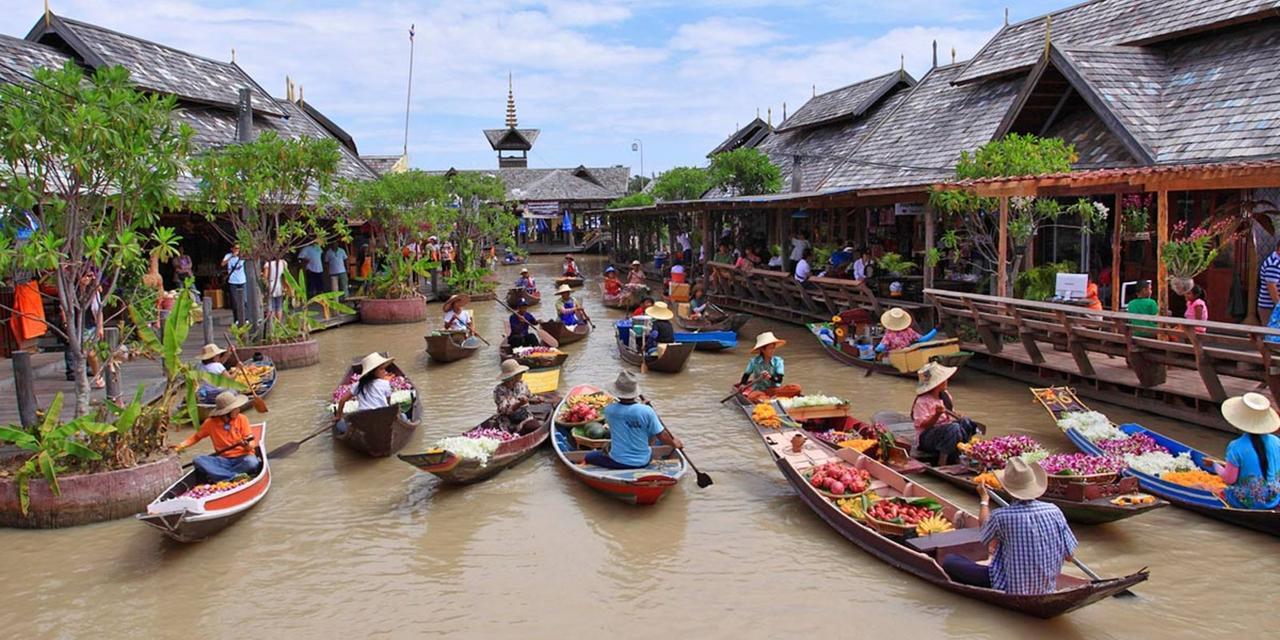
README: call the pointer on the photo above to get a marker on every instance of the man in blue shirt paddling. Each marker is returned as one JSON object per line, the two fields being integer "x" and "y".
{"x": 632, "y": 427}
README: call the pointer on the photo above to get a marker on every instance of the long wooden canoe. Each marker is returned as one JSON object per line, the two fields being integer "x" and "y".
{"x": 378, "y": 432}
{"x": 188, "y": 519}
{"x": 264, "y": 387}
{"x": 451, "y": 346}
{"x": 515, "y": 294}
{"x": 572, "y": 281}
{"x": 672, "y": 359}
{"x": 564, "y": 335}
{"x": 629, "y": 298}
{"x": 724, "y": 322}
{"x": 506, "y": 352}
{"x": 642, "y": 486}
{"x": 922, "y": 556}
{"x": 838, "y": 353}
{"x": 454, "y": 470}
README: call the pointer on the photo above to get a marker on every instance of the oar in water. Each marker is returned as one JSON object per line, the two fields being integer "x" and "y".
{"x": 1082, "y": 566}
{"x": 259, "y": 404}
{"x": 219, "y": 452}
{"x": 704, "y": 480}
{"x": 738, "y": 388}
{"x": 288, "y": 448}
{"x": 486, "y": 342}
{"x": 542, "y": 334}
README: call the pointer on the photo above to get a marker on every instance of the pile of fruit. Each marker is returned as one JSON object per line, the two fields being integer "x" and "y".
{"x": 856, "y": 507}
{"x": 205, "y": 490}
{"x": 933, "y": 524}
{"x": 766, "y": 416}
{"x": 251, "y": 375}
{"x": 1196, "y": 478}
{"x": 988, "y": 478}
{"x": 583, "y": 408}
{"x": 907, "y": 511}
{"x": 839, "y": 479}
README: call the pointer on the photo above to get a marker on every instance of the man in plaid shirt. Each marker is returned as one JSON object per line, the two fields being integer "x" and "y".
{"x": 1029, "y": 540}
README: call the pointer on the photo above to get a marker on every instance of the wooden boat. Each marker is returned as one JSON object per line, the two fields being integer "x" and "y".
{"x": 572, "y": 281}
{"x": 564, "y": 335}
{"x": 671, "y": 359}
{"x": 264, "y": 386}
{"x": 636, "y": 486}
{"x": 514, "y": 295}
{"x": 629, "y": 298}
{"x": 1095, "y": 511}
{"x": 188, "y": 519}
{"x": 921, "y": 556}
{"x": 514, "y": 260}
{"x": 732, "y": 322}
{"x": 506, "y": 352}
{"x": 454, "y": 470}
{"x": 842, "y": 353}
{"x": 451, "y": 346}
{"x": 379, "y": 432}
{"x": 709, "y": 340}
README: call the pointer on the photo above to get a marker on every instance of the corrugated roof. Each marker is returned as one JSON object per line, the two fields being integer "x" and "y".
{"x": 846, "y": 102}
{"x": 1106, "y": 22}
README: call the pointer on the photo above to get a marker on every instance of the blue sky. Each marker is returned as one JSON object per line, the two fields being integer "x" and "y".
{"x": 593, "y": 76}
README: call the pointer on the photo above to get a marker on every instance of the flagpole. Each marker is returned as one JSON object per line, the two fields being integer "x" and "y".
{"x": 408, "y": 94}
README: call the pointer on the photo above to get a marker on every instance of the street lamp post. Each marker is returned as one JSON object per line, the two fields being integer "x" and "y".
{"x": 638, "y": 145}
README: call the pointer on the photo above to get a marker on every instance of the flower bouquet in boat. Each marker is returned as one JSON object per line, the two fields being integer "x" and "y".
{"x": 537, "y": 357}
{"x": 815, "y": 407}
{"x": 401, "y": 393}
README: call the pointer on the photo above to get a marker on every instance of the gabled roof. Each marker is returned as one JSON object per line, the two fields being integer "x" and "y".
{"x": 19, "y": 59}
{"x": 511, "y": 139}
{"x": 152, "y": 66}
{"x": 846, "y": 102}
{"x": 749, "y": 136}
{"x": 382, "y": 164}
{"x": 329, "y": 126}
{"x": 582, "y": 183}
{"x": 1017, "y": 47}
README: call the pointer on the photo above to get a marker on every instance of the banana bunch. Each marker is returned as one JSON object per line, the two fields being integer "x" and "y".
{"x": 856, "y": 507}
{"x": 251, "y": 374}
{"x": 596, "y": 401}
{"x": 933, "y": 524}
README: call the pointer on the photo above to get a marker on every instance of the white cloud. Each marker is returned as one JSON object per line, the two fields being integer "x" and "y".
{"x": 724, "y": 35}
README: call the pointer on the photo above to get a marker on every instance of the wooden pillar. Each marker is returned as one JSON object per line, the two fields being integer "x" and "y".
{"x": 1117, "y": 240}
{"x": 1002, "y": 249}
{"x": 24, "y": 385}
{"x": 112, "y": 374}
{"x": 1162, "y": 236}
{"x": 929, "y": 232}
{"x": 206, "y": 323}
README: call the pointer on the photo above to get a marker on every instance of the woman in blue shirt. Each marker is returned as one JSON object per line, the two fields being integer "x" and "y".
{"x": 1252, "y": 468}
{"x": 763, "y": 376}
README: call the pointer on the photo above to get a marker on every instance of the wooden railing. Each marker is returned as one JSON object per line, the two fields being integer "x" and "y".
{"x": 1222, "y": 355}
{"x": 776, "y": 294}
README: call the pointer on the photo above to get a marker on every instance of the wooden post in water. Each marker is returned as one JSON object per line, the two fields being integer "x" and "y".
{"x": 1162, "y": 236}
{"x": 112, "y": 374}
{"x": 24, "y": 385}
{"x": 206, "y": 324}
{"x": 1116, "y": 242}
{"x": 1002, "y": 249}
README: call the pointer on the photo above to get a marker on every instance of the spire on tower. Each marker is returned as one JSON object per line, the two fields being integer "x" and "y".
{"x": 511, "y": 104}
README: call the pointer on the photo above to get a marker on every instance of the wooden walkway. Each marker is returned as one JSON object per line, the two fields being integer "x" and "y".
{"x": 1181, "y": 368}
{"x": 776, "y": 294}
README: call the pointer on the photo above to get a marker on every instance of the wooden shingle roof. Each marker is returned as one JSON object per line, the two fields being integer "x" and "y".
{"x": 749, "y": 136}
{"x": 511, "y": 139}
{"x": 1017, "y": 47}
{"x": 19, "y": 59}
{"x": 593, "y": 184}
{"x": 846, "y": 102}
{"x": 153, "y": 66}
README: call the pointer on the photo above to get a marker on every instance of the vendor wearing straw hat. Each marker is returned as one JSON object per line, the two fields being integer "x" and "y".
{"x": 512, "y": 397}
{"x": 373, "y": 390}
{"x": 232, "y": 439}
{"x": 636, "y": 275}
{"x": 898, "y": 333}
{"x": 1028, "y": 540}
{"x": 662, "y": 331}
{"x": 763, "y": 377}
{"x": 456, "y": 316}
{"x": 211, "y": 363}
{"x": 570, "y": 268}
{"x": 525, "y": 281}
{"x": 567, "y": 308}
{"x": 938, "y": 427}
{"x": 633, "y": 426}
{"x": 1252, "y": 468}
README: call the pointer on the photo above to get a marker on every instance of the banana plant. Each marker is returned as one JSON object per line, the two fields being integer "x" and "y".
{"x": 52, "y": 445}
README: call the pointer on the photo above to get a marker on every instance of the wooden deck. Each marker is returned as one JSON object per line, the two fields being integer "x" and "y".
{"x": 1172, "y": 369}
{"x": 776, "y": 294}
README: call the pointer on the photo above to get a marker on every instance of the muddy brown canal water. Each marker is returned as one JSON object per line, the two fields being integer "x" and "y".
{"x": 346, "y": 546}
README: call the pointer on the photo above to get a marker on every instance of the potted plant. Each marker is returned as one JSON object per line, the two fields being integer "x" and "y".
{"x": 287, "y": 340}
{"x": 1186, "y": 259}
{"x": 1136, "y": 216}
{"x": 895, "y": 265}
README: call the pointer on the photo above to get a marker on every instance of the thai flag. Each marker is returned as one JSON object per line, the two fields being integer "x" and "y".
{"x": 411, "y": 32}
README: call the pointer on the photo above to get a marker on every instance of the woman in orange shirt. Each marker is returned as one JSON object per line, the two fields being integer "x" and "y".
{"x": 232, "y": 439}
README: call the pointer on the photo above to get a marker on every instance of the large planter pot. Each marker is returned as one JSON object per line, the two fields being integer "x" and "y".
{"x": 1181, "y": 286}
{"x": 94, "y": 497}
{"x": 401, "y": 311}
{"x": 292, "y": 355}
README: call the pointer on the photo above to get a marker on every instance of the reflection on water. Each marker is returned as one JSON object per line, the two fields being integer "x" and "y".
{"x": 345, "y": 545}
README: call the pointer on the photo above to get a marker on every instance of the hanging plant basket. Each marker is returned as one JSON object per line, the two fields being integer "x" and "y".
{"x": 1181, "y": 286}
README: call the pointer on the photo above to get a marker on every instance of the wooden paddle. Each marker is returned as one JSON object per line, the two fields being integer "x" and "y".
{"x": 704, "y": 480}
{"x": 288, "y": 448}
{"x": 220, "y": 451}
{"x": 259, "y": 404}
{"x": 1080, "y": 565}
{"x": 542, "y": 334}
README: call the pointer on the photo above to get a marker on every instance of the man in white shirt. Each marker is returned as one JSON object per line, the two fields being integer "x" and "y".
{"x": 273, "y": 275}
{"x": 686, "y": 245}
{"x": 860, "y": 265}
{"x": 798, "y": 246}
{"x": 803, "y": 270}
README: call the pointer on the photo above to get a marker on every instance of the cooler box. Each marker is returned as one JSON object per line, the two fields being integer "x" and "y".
{"x": 917, "y": 355}
{"x": 679, "y": 291}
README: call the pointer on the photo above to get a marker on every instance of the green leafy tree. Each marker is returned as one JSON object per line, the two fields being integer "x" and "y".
{"x": 637, "y": 183}
{"x": 974, "y": 218}
{"x": 633, "y": 200}
{"x": 479, "y": 217}
{"x": 400, "y": 208}
{"x": 744, "y": 172}
{"x": 682, "y": 183}
{"x": 88, "y": 163}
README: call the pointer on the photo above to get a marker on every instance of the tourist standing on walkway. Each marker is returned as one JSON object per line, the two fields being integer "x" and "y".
{"x": 234, "y": 265}
{"x": 335, "y": 260}
{"x": 798, "y": 244}
{"x": 182, "y": 272}
{"x": 1143, "y": 304}
{"x": 313, "y": 268}
{"x": 273, "y": 275}
{"x": 803, "y": 270}
{"x": 1268, "y": 285}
